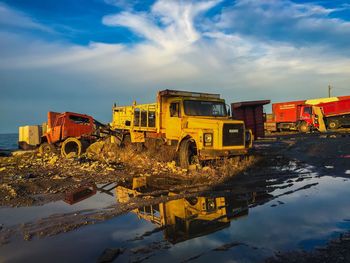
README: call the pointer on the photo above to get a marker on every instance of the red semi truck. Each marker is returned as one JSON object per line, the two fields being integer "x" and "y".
{"x": 299, "y": 115}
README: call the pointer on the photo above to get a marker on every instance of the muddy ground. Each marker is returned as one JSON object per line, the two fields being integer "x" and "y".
{"x": 29, "y": 179}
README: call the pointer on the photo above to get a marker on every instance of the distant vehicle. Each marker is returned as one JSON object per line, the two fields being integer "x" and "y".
{"x": 196, "y": 125}
{"x": 68, "y": 131}
{"x": 296, "y": 115}
{"x": 330, "y": 115}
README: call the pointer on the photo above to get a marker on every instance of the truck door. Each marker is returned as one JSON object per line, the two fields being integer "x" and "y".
{"x": 306, "y": 114}
{"x": 173, "y": 125}
{"x": 57, "y": 129}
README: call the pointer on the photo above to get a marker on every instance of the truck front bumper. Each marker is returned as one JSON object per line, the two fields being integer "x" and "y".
{"x": 215, "y": 154}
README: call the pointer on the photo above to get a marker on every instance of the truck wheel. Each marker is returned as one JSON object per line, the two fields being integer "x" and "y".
{"x": 304, "y": 127}
{"x": 333, "y": 124}
{"x": 126, "y": 141}
{"x": 46, "y": 148}
{"x": 187, "y": 153}
{"x": 72, "y": 147}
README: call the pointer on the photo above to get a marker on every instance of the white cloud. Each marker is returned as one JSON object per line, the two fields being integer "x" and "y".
{"x": 14, "y": 18}
{"x": 176, "y": 31}
{"x": 174, "y": 44}
{"x": 285, "y": 21}
{"x": 124, "y": 4}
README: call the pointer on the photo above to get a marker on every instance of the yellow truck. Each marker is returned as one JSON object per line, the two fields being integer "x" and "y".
{"x": 197, "y": 125}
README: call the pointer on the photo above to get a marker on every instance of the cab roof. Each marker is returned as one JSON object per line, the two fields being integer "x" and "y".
{"x": 180, "y": 93}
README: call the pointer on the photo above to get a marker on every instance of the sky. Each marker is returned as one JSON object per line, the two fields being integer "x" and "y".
{"x": 85, "y": 55}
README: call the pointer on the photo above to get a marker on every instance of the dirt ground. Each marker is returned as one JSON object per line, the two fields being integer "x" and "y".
{"x": 27, "y": 179}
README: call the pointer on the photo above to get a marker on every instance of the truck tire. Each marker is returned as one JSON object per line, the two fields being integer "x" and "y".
{"x": 46, "y": 148}
{"x": 304, "y": 127}
{"x": 187, "y": 153}
{"x": 72, "y": 147}
{"x": 333, "y": 124}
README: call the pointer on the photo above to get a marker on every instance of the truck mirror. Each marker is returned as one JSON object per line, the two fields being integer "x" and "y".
{"x": 228, "y": 110}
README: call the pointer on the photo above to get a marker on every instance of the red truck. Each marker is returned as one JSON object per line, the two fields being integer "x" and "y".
{"x": 70, "y": 132}
{"x": 285, "y": 115}
{"x": 334, "y": 114}
{"x": 298, "y": 115}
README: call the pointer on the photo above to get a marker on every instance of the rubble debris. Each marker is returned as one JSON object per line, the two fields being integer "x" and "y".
{"x": 103, "y": 162}
{"x": 10, "y": 192}
{"x": 53, "y": 160}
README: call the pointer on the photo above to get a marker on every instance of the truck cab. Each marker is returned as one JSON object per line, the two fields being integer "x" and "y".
{"x": 196, "y": 124}
{"x": 310, "y": 117}
{"x": 68, "y": 124}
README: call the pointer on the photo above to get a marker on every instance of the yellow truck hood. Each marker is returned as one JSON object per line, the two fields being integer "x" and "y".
{"x": 208, "y": 123}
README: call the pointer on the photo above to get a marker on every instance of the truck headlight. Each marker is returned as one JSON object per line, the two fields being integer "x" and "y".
{"x": 210, "y": 204}
{"x": 208, "y": 139}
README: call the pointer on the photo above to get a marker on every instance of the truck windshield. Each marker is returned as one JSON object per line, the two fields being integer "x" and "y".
{"x": 308, "y": 110}
{"x": 204, "y": 108}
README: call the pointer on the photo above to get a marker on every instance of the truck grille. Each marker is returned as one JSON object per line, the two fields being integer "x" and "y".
{"x": 233, "y": 135}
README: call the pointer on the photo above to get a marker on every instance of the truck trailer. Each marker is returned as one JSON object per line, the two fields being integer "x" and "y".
{"x": 336, "y": 114}
{"x": 196, "y": 125}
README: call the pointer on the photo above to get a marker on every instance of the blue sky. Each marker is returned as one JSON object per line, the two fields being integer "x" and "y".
{"x": 85, "y": 55}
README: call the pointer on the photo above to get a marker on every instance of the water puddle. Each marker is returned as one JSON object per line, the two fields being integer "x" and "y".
{"x": 88, "y": 196}
{"x": 235, "y": 223}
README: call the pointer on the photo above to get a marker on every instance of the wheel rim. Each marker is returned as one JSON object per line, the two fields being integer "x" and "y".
{"x": 71, "y": 145}
{"x": 304, "y": 128}
{"x": 47, "y": 149}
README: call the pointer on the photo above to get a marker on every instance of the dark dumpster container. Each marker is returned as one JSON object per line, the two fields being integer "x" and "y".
{"x": 252, "y": 113}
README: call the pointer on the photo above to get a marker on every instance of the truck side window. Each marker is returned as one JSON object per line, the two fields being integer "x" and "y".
{"x": 151, "y": 119}
{"x": 137, "y": 114}
{"x": 144, "y": 118}
{"x": 175, "y": 109}
{"x": 79, "y": 120}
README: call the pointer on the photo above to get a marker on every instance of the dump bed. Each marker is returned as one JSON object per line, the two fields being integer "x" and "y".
{"x": 336, "y": 108}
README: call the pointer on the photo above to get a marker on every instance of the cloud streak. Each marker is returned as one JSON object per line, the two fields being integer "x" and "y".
{"x": 12, "y": 18}
{"x": 286, "y": 21}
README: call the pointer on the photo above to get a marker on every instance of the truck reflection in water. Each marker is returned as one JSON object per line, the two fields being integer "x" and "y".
{"x": 87, "y": 190}
{"x": 187, "y": 218}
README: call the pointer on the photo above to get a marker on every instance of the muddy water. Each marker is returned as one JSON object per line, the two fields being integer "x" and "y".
{"x": 219, "y": 225}
{"x": 92, "y": 200}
